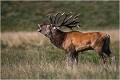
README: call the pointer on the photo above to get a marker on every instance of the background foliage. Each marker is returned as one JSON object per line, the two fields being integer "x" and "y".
{"x": 25, "y": 15}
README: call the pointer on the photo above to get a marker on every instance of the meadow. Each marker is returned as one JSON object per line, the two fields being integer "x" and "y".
{"x": 30, "y": 55}
{"x": 26, "y": 54}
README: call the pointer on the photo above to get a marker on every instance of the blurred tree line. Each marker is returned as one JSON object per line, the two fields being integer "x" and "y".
{"x": 25, "y": 15}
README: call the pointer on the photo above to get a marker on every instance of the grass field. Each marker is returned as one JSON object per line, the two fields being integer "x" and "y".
{"x": 30, "y": 55}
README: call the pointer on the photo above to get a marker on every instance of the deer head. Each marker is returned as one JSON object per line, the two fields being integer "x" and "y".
{"x": 57, "y": 21}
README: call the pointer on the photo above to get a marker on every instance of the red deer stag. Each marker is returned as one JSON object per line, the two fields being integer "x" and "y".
{"x": 74, "y": 41}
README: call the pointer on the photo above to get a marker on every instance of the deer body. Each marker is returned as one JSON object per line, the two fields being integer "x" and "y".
{"x": 80, "y": 41}
{"x": 74, "y": 41}
{"x": 84, "y": 41}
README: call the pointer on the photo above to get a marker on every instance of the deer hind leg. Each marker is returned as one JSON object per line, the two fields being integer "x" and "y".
{"x": 102, "y": 57}
{"x": 107, "y": 51}
{"x": 100, "y": 53}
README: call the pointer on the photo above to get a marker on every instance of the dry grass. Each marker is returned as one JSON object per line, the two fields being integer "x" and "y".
{"x": 29, "y": 55}
{"x": 18, "y": 38}
{"x": 46, "y": 70}
{"x": 15, "y": 39}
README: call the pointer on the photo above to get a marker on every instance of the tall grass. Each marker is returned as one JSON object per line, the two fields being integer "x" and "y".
{"x": 19, "y": 38}
{"x": 15, "y": 39}
{"x": 29, "y": 55}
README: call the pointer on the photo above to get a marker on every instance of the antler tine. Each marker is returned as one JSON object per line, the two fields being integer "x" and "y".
{"x": 56, "y": 16}
{"x": 70, "y": 21}
{"x": 50, "y": 17}
{"x": 60, "y": 16}
{"x": 74, "y": 20}
{"x": 71, "y": 17}
{"x": 76, "y": 16}
{"x": 72, "y": 24}
{"x": 64, "y": 20}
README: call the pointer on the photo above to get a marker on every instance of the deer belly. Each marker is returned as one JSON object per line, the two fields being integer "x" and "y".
{"x": 84, "y": 45}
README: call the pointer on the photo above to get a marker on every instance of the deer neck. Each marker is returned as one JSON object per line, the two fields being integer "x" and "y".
{"x": 57, "y": 38}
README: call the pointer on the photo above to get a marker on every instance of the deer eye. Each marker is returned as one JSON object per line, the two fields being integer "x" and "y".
{"x": 54, "y": 27}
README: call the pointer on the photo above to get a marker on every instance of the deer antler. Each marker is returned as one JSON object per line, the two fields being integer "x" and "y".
{"x": 69, "y": 20}
{"x": 50, "y": 17}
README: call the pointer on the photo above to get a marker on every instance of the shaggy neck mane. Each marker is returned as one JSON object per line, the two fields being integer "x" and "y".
{"x": 57, "y": 38}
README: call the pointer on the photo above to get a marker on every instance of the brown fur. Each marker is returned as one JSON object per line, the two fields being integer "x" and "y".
{"x": 82, "y": 41}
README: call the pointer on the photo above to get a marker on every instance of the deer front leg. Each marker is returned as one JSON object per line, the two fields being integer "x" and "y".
{"x": 69, "y": 59}
{"x": 75, "y": 59}
{"x": 72, "y": 59}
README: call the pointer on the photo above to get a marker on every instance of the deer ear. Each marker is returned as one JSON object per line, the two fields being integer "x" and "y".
{"x": 39, "y": 25}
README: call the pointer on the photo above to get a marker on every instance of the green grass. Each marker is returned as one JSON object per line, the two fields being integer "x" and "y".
{"x": 25, "y": 15}
{"x": 44, "y": 61}
{"x": 31, "y": 62}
